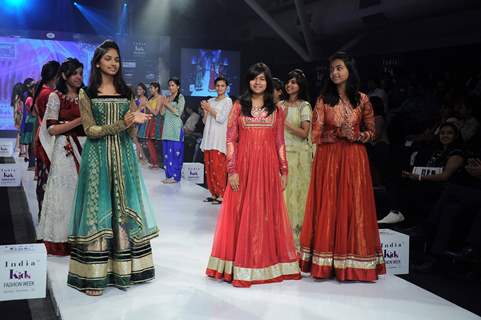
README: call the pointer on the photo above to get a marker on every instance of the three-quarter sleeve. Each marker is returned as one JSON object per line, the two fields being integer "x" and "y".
{"x": 179, "y": 106}
{"x": 232, "y": 138}
{"x": 318, "y": 121}
{"x": 280, "y": 141}
{"x": 92, "y": 130}
{"x": 221, "y": 117}
{"x": 52, "y": 111}
{"x": 368, "y": 119}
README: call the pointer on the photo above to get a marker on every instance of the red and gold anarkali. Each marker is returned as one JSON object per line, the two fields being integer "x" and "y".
{"x": 340, "y": 234}
{"x": 253, "y": 241}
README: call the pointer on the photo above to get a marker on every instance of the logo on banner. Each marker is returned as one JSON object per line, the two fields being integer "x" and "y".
{"x": 19, "y": 273}
{"x": 391, "y": 252}
{"x": 193, "y": 172}
{"x": 10, "y": 175}
{"x": 139, "y": 48}
{"x": 6, "y": 148}
{"x": 23, "y": 271}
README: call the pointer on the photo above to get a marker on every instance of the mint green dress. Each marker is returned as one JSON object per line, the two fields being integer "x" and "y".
{"x": 113, "y": 221}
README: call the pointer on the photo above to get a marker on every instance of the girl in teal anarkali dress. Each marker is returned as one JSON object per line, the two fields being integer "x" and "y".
{"x": 113, "y": 221}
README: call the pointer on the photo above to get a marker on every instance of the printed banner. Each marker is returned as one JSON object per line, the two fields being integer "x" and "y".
{"x": 395, "y": 247}
{"x": 23, "y": 271}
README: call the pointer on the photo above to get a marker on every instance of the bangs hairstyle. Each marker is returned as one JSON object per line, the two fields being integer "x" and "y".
{"x": 301, "y": 80}
{"x": 329, "y": 91}
{"x": 95, "y": 79}
{"x": 245, "y": 99}
{"x": 67, "y": 68}
{"x": 177, "y": 82}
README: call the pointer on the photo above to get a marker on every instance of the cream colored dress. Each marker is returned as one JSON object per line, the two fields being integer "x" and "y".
{"x": 299, "y": 157}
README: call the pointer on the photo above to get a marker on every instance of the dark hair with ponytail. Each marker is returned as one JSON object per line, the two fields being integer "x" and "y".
{"x": 49, "y": 73}
{"x": 177, "y": 82}
{"x": 67, "y": 69}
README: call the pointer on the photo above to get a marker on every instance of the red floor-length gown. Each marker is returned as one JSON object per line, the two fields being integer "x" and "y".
{"x": 253, "y": 241}
{"x": 340, "y": 234}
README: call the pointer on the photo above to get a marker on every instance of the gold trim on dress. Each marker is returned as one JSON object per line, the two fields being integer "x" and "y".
{"x": 121, "y": 268}
{"x": 350, "y": 261}
{"x": 253, "y": 274}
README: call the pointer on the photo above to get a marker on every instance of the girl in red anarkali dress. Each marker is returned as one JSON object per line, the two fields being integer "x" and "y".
{"x": 253, "y": 241}
{"x": 340, "y": 233}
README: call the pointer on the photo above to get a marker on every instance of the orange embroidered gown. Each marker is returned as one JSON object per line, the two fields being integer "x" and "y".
{"x": 340, "y": 234}
{"x": 253, "y": 242}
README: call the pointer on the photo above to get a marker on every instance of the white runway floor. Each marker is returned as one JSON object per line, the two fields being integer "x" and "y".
{"x": 182, "y": 291}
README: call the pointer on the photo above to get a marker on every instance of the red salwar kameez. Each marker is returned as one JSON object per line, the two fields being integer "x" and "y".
{"x": 216, "y": 172}
{"x": 253, "y": 242}
{"x": 340, "y": 233}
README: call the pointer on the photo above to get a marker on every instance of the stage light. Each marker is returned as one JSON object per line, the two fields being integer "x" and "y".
{"x": 75, "y": 3}
{"x": 16, "y": 3}
{"x": 97, "y": 19}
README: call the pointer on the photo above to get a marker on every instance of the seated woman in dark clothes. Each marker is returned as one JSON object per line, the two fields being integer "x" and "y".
{"x": 417, "y": 195}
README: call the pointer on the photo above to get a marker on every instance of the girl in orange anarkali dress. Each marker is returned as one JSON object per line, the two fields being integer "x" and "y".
{"x": 340, "y": 225}
{"x": 340, "y": 234}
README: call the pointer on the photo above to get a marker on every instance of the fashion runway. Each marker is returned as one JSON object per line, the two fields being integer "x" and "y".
{"x": 182, "y": 291}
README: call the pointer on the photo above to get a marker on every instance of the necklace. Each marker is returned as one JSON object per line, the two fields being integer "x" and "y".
{"x": 257, "y": 111}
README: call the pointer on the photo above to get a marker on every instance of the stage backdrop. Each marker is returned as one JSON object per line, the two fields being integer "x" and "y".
{"x": 144, "y": 60}
{"x": 200, "y": 67}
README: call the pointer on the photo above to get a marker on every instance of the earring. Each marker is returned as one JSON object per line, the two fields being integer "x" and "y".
{"x": 97, "y": 66}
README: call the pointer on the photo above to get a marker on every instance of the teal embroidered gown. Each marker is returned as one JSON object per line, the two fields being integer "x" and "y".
{"x": 113, "y": 221}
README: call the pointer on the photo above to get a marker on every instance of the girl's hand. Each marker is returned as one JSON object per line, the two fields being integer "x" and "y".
{"x": 234, "y": 181}
{"x": 284, "y": 182}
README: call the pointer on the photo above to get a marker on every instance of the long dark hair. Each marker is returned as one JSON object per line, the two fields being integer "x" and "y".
{"x": 177, "y": 82}
{"x": 245, "y": 98}
{"x": 301, "y": 80}
{"x": 17, "y": 92}
{"x": 49, "y": 72}
{"x": 68, "y": 68}
{"x": 95, "y": 79}
{"x": 329, "y": 92}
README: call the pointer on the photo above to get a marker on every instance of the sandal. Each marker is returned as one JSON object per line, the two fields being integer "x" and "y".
{"x": 209, "y": 199}
{"x": 94, "y": 293}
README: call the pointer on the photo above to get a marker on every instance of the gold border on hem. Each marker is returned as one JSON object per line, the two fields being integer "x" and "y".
{"x": 348, "y": 261}
{"x": 253, "y": 274}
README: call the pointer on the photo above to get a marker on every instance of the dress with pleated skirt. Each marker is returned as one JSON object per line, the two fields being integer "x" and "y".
{"x": 253, "y": 242}
{"x": 340, "y": 235}
{"x": 112, "y": 221}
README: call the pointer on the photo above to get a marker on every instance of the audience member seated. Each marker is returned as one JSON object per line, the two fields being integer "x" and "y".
{"x": 454, "y": 214}
{"x": 417, "y": 195}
